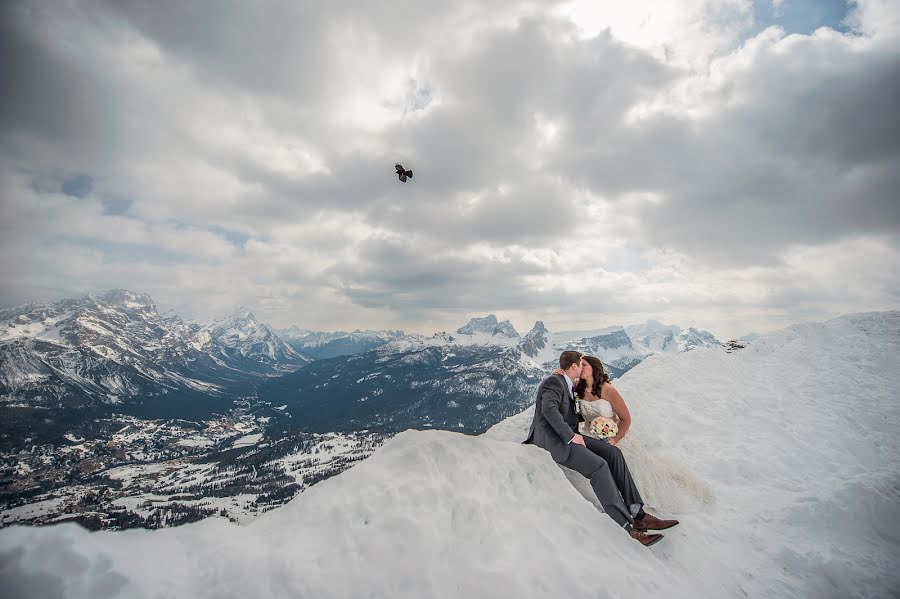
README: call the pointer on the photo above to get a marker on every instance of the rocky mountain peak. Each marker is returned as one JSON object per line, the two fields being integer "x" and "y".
{"x": 486, "y": 324}
{"x": 122, "y": 298}
{"x": 505, "y": 329}
{"x": 535, "y": 340}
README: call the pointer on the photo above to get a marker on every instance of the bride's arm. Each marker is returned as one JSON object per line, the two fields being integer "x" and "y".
{"x": 610, "y": 394}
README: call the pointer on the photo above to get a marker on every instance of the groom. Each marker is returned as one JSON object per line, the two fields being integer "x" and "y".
{"x": 555, "y": 427}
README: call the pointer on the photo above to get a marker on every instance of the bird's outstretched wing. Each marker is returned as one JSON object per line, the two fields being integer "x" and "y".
{"x": 403, "y": 177}
{"x": 399, "y": 168}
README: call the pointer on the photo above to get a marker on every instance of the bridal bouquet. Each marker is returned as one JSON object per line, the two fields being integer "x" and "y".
{"x": 604, "y": 427}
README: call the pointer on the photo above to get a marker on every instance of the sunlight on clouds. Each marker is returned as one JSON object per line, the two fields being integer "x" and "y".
{"x": 240, "y": 126}
{"x": 373, "y": 87}
{"x": 728, "y": 82}
{"x": 546, "y": 129}
{"x": 468, "y": 202}
{"x": 876, "y": 17}
{"x": 684, "y": 33}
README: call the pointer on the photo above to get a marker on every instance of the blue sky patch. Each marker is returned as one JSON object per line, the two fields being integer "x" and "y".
{"x": 801, "y": 16}
{"x": 115, "y": 205}
{"x": 235, "y": 238}
{"x": 77, "y": 185}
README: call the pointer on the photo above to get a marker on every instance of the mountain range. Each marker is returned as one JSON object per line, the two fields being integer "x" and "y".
{"x": 319, "y": 344}
{"x": 113, "y": 352}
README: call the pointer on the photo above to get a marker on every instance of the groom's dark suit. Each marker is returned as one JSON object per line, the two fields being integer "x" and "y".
{"x": 553, "y": 428}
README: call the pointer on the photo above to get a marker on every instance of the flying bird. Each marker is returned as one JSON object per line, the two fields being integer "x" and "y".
{"x": 401, "y": 173}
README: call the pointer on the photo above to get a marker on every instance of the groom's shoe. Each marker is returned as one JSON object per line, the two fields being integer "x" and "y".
{"x": 651, "y": 522}
{"x": 643, "y": 538}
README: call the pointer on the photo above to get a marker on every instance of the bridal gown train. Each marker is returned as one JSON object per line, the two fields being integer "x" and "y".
{"x": 665, "y": 484}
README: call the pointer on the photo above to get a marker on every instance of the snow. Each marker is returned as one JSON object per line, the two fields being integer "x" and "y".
{"x": 247, "y": 440}
{"x": 781, "y": 460}
{"x": 30, "y": 510}
{"x": 47, "y": 329}
{"x": 127, "y": 474}
{"x": 562, "y": 337}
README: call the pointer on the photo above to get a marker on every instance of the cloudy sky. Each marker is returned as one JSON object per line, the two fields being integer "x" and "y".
{"x": 725, "y": 164}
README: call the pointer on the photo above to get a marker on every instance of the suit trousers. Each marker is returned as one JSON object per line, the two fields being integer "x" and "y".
{"x": 620, "y": 473}
{"x": 589, "y": 464}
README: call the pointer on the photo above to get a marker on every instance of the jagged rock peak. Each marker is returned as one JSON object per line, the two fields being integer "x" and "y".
{"x": 124, "y": 298}
{"x": 505, "y": 329}
{"x": 486, "y": 324}
{"x": 535, "y": 340}
{"x": 243, "y": 313}
{"x": 538, "y": 330}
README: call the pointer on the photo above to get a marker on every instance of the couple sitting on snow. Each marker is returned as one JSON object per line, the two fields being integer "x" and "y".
{"x": 579, "y": 393}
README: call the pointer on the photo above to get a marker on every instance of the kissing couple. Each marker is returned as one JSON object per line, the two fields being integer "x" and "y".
{"x": 555, "y": 428}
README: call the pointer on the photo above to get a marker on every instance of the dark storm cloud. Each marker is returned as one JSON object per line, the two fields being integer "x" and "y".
{"x": 46, "y": 92}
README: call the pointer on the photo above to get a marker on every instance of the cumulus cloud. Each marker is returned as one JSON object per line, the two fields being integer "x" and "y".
{"x": 703, "y": 163}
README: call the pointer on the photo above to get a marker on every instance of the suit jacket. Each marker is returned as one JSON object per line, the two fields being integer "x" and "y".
{"x": 555, "y": 420}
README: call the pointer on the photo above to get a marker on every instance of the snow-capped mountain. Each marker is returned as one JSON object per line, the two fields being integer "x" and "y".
{"x": 115, "y": 347}
{"x": 104, "y": 348}
{"x": 656, "y": 338}
{"x": 487, "y": 327}
{"x": 535, "y": 340}
{"x": 319, "y": 344}
{"x": 811, "y": 511}
{"x": 240, "y": 341}
{"x": 614, "y": 349}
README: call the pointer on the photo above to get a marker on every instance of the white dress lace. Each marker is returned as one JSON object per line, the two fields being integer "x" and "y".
{"x": 592, "y": 409}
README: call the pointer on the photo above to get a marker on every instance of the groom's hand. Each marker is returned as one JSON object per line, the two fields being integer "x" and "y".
{"x": 578, "y": 440}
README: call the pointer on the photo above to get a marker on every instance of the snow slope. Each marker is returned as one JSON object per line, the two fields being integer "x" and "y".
{"x": 781, "y": 460}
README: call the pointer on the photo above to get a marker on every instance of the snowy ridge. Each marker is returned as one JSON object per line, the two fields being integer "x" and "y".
{"x": 319, "y": 345}
{"x": 540, "y": 348}
{"x": 115, "y": 346}
{"x": 308, "y": 338}
{"x": 243, "y": 340}
{"x": 781, "y": 460}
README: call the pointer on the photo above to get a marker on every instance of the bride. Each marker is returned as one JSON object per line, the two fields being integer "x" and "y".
{"x": 668, "y": 485}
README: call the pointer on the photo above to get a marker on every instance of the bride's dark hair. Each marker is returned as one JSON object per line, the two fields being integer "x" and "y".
{"x": 600, "y": 377}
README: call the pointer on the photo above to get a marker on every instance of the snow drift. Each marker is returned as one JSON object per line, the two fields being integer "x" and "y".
{"x": 781, "y": 460}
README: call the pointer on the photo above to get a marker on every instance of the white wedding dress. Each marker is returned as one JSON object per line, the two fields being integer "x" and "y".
{"x": 667, "y": 486}
{"x": 592, "y": 409}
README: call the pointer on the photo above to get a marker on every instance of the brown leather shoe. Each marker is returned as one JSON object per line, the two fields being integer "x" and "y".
{"x": 651, "y": 522}
{"x": 643, "y": 538}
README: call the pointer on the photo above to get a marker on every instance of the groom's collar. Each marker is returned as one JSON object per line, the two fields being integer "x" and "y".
{"x": 571, "y": 385}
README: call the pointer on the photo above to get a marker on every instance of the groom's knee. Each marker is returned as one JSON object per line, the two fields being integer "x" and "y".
{"x": 616, "y": 454}
{"x": 601, "y": 470}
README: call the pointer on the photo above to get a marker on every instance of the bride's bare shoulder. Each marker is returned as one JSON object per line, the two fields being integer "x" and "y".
{"x": 607, "y": 388}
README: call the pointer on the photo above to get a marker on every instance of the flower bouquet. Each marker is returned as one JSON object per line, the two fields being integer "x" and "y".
{"x": 604, "y": 428}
